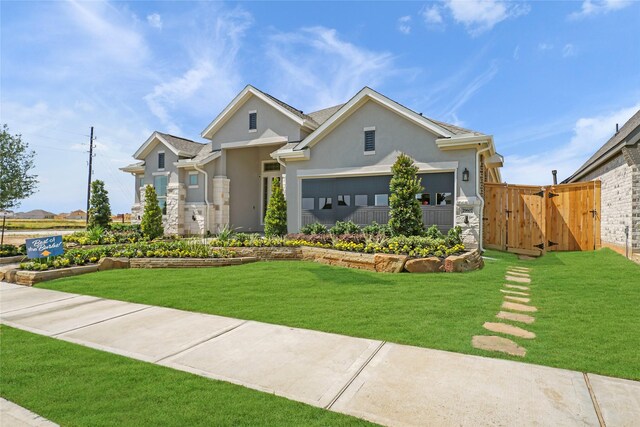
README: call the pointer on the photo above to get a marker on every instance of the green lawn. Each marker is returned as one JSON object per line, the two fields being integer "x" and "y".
{"x": 588, "y": 319}
{"x": 79, "y": 386}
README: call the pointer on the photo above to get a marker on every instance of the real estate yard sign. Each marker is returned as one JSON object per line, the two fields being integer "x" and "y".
{"x": 43, "y": 247}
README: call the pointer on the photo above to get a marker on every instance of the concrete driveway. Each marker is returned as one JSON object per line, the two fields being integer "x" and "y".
{"x": 382, "y": 382}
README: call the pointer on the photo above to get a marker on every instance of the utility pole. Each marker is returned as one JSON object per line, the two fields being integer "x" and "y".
{"x": 90, "y": 172}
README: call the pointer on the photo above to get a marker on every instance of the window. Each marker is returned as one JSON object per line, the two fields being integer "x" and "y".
{"x": 324, "y": 203}
{"x": 344, "y": 200}
{"x": 193, "y": 179}
{"x": 271, "y": 167}
{"x": 369, "y": 141}
{"x": 444, "y": 199}
{"x": 160, "y": 160}
{"x": 362, "y": 200}
{"x": 307, "y": 203}
{"x": 141, "y": 182}
{"x": 160, "y": 184}
{"x": 253, "y": 120}
{"x": 424, "y": 198}
{"x": 382, "y": 200}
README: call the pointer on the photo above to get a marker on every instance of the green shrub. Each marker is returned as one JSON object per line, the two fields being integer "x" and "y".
{"x": 12, "y": 250}
{"x": 119, "y": 227}
{"x": 315, "y": 228}
{"x": 433, "y": 232}
{"x": 454, "y": 236}
{"x": 405, "y": 214}
{"x": 348, "y": 227}
{"x": 275, "y": 220}
{"x": 151, "y": 224}
{"x": 375, "y": 229}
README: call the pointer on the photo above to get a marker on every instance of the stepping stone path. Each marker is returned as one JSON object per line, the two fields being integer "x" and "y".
{"x": 516, "y": 298}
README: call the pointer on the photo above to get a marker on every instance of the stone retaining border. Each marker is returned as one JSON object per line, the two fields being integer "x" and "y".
{"x": 12, "y": 259}
{"x": 188, "y": 262}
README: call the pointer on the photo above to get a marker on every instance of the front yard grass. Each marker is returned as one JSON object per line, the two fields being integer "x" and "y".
{"x": 79, "y": 386}
{"x": 588, "y": 303}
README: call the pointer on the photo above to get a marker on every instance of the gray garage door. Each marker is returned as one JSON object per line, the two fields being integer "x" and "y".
{"x": 366, "y": 199}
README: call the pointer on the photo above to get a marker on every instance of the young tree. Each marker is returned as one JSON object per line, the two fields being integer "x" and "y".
{"x": 16, "y": 160}
{"x": 405, "y": 215}
{"x": 275, "y": 221}
{"x": 151, "y": 223}
{"x": 99, "y": 208}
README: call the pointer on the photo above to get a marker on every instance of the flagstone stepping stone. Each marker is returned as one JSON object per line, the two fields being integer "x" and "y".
{"x": 503, "y": 328}
{"x": 516, "y": 317}
{"x": 517, "y": 279}
{"x": 522, "y": 288}
{"x": 494, "y": 343}
{"x": 525, "y": 269}
{"x": 506, "y": 291}
{"x": 526, "y": 257}
{"x": 518, "y": 307}
{"x": 518, "y": 274}
{"x": 517, "y": 299}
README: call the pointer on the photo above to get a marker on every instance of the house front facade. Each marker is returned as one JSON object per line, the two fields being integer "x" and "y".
{"x": 334, "y": 165}
{"x": 617, "y": 165}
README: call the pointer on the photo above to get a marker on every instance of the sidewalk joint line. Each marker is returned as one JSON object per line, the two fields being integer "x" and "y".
{"x": 596, "y": 406}
{"x": 2, "y": 313}
{"x": 353, "y": 378}
{"x": 202, "y": 341}
{"x": 100, "y": 321}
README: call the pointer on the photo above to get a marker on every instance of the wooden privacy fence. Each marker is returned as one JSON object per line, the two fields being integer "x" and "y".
{"x": 531, "y": 220}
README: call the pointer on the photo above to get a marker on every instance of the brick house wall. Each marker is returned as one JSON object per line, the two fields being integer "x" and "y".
{"x": 620, "y": 187}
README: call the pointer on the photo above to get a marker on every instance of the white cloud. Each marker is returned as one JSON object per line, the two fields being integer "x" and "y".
{"x": 432, "y": 15}
{"x": 544, "y": 46}
{"x": 315, "y": 68}
{"x": 596, "y": 7}
{"x": 589, "y": 134}
{"x": 469, "y": 91}
{"x": 568, "y": 50}
{"x": 213, "y": 71}
{"x": 479, "y": 16}
{"x": 155, "y": 20}
{"x": 404, "y": 24}
{"x": 516, "y": 53}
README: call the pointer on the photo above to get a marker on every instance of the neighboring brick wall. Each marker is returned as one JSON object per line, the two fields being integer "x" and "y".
{"x": 616, "y": 201}
{"x": 635, "y": 216}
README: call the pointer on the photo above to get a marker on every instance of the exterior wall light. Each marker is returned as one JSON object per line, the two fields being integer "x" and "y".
{"x": 465, "y": 174}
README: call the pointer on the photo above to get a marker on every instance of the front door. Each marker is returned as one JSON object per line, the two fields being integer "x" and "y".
{"x": 270, "y": 171}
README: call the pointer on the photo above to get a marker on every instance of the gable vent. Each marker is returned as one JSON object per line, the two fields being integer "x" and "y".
{"x": 253, "y": 121}
{"x": 369, "y": 140}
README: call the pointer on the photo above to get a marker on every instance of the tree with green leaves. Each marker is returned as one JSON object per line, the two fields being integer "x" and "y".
{"x": 151, "y": 224}
{"x": 99, "y": 208}
{"x": 16, "y": 162}
{"x": 275, "y": 220}
{"x": 405, "y": 214}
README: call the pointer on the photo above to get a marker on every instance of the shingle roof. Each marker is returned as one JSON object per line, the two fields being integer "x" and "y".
{"x": 456, "y": 130}
{"x": 205, "y": 151}
{"x": 294, "y": 110}
{"x": 183, "y": 144}
{"x": 323, "y": 115}
{"x": 613, "y": 143}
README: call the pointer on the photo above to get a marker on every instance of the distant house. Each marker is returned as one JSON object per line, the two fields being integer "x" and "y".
{"x": 617, "y": 165}
{"x": 77, "y": 214}
{"x": 334, "y": 165}
{"x": 35, "y": 214}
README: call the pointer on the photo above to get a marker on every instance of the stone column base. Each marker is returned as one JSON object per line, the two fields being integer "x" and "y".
{"x": 468, "y": 217}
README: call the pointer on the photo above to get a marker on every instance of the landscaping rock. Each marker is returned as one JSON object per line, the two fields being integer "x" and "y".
{"x": 518, "y": 307}
{"x": 465, "y": 262}
{"x": 494, "y": 343}
{"x": 389, "y": 263}
{"x": 109, "y": 263}
{"x": 503, "y": 328}
{"x": 516, "y": 317}
{"x": 30, "y": 278}
{"x": 12, "y": 259}
{"x": 517, "y": 279}
{"x": 188, "y": 262}
{"x": 339, "y": 258}
{"x": 424, "y": 265}
{"x": 10, "y": 275}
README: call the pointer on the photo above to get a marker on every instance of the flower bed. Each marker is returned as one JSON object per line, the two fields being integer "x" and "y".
{"x": 176, "y": 249}
{"x": 12, "y": 250}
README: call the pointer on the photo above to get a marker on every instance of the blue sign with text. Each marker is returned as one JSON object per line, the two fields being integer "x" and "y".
{"x": 43, "y": 247}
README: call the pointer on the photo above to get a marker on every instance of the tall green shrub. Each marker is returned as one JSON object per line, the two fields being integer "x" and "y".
{"x": 151, "y": 224}
{"x": 405, "y": 215}
{"x": 275, "y": 221}
{"x": 99, "y": 208}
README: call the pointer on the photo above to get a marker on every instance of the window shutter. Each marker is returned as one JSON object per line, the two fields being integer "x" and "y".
{"x": 253, "y": 121}
{"x": 369, "y": 140}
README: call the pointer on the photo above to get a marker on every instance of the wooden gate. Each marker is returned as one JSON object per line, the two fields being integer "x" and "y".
{"x": 533, "y": 219}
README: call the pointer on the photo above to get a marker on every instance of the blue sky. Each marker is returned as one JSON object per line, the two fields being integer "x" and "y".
{"x": 548, "y": 79}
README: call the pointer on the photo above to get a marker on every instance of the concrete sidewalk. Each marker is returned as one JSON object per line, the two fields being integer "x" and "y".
{"x": 382, "y": 382}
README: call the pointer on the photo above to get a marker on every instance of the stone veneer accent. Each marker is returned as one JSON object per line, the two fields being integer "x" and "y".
{"x": 620, "y": 187}
{"x": 220, "y": 205}
{"x": 173, "y": 221}
{"x": 469, "y": 209}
